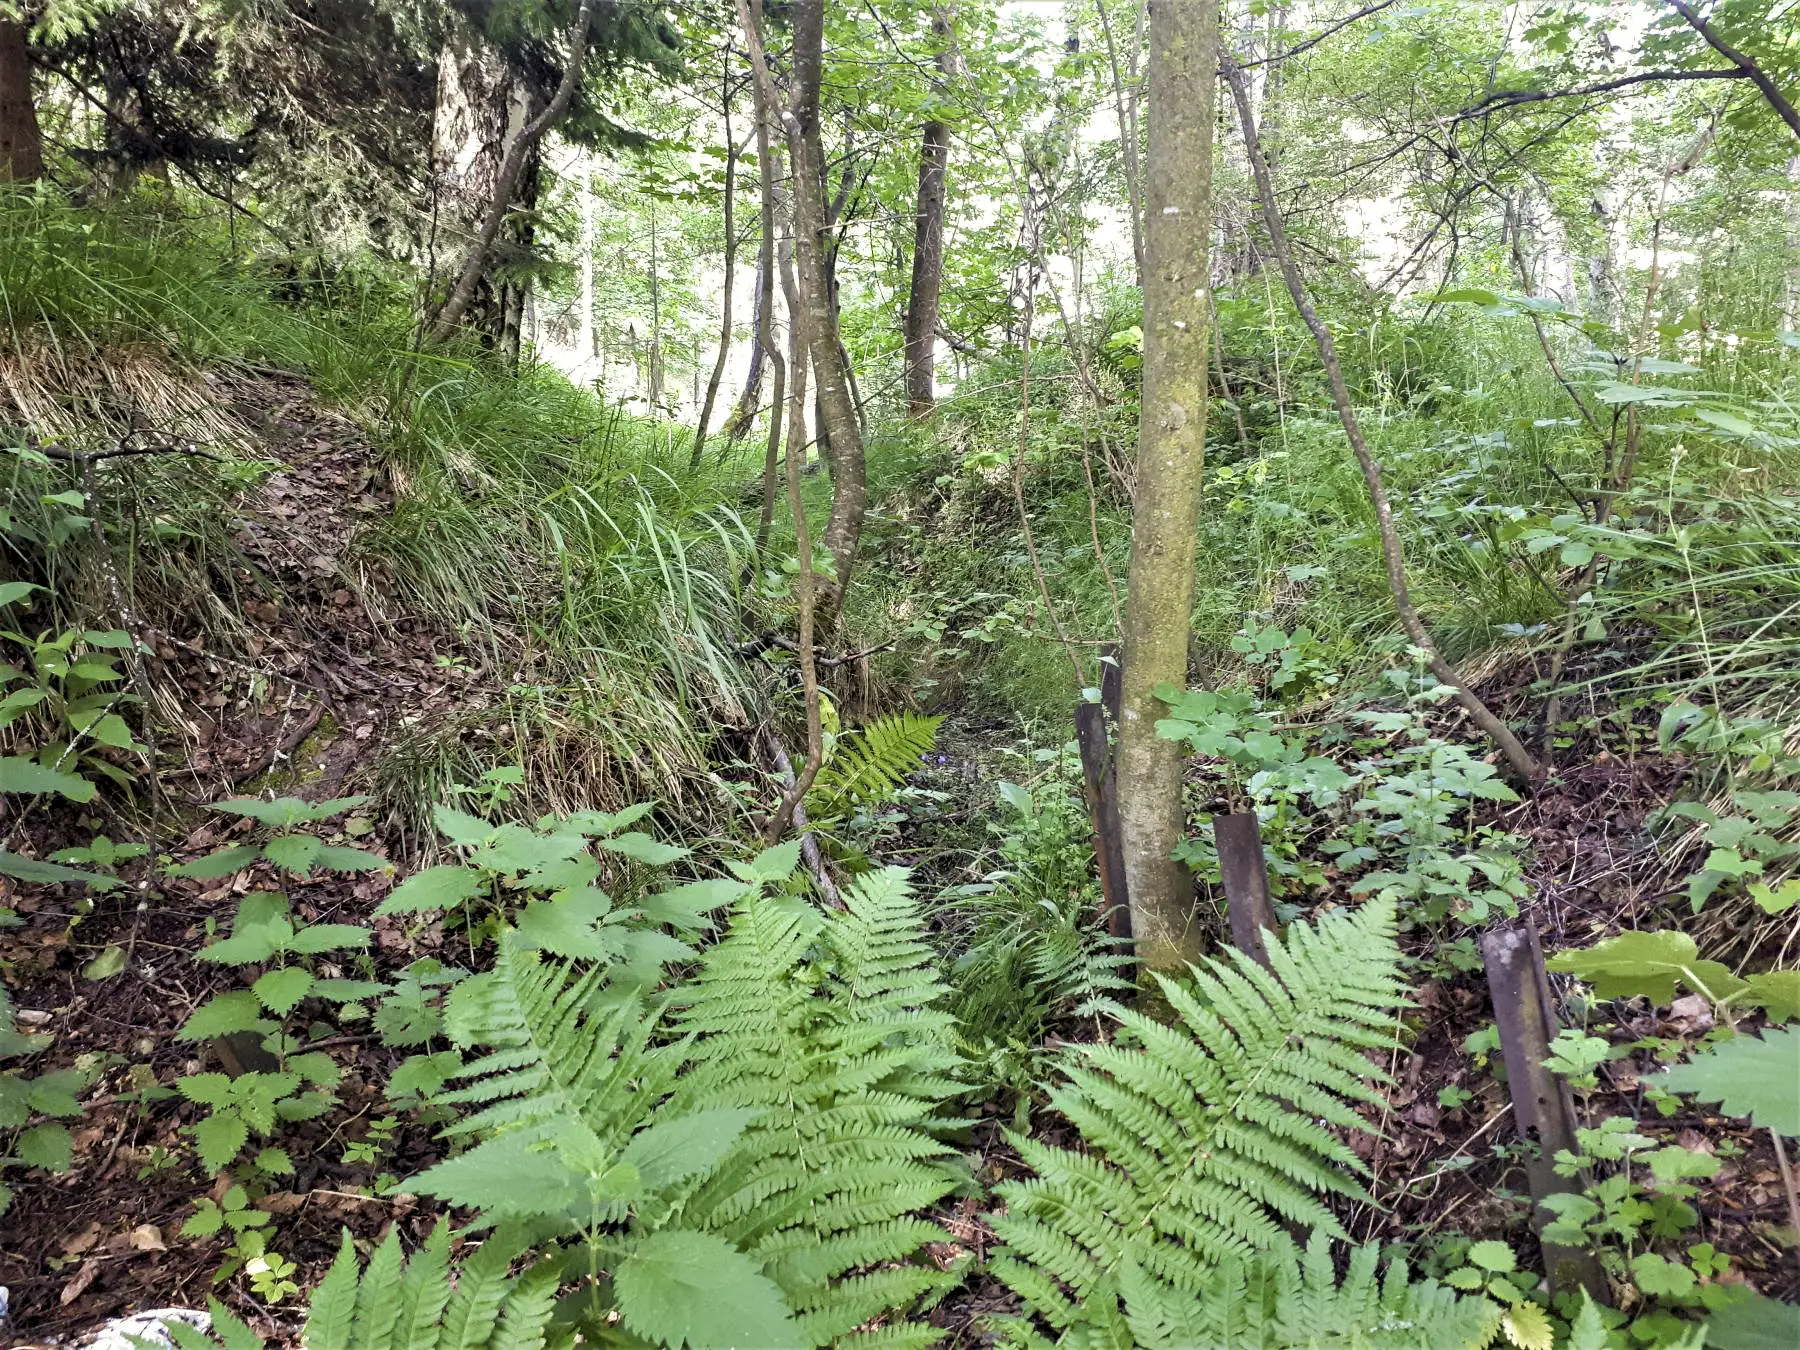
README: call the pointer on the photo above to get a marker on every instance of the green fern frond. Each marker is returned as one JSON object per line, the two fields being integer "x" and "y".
{"x": 397, "y": 1304}
{"x": 1205, "y": 1139}
{"x": 867, "y": 764}
{"x": 831, "y": 1027}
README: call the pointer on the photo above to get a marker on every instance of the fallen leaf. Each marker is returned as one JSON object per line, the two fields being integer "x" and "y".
{"x": 147, "y": 1237}
{"x": 82, "y": 1241}
{"x": 76, "y": 1287}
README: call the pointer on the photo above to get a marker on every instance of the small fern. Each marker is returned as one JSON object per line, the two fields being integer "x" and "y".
{"x": 867, "y": 764}
{"x": 1206, "y": 1137}
{"x": 400, "y": 1304}
{"x": 1282, "y": 1299}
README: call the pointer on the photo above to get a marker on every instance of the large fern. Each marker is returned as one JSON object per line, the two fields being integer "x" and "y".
{"x": 757, "y": 1180}
{"x": 1205, "y": 1138}
{"x": 830, "y": 1027}
{"x": 867, "y": 764}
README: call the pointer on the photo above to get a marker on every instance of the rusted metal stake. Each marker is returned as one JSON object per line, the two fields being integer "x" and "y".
{"x": 1542, "y": 1111}
{"x": 1246, "y": 875}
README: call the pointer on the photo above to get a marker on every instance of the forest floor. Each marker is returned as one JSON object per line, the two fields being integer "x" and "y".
{"x": 317, "y": 669}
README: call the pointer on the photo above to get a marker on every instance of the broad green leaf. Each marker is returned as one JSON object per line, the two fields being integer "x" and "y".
{"x": 1493, "y": 1256}
{"x": 1647, "y": 963}
{"x": 1658, "y": 395}
{"x": 281, "y": 989}
{"x": 1777, "y": 992}
{"x": 328, "y": 937}
{"x": 686, "y": 906}
{"x": 1527, "y": 1326}
{"x": 11, "y": 592}
{"x": 18, "y": 774}
{"x": 336, "y": 858}
{"x": 460, "y": 827}
{"x": 1724, "y": 421}
{"x": 1752, "y": 1321}
{"x": 224, "y": 863}
{"x": 294, "y": 853}
{"x": 643, "y": 848}
{"x": 219, "y": 1138}
{"x": 106, "y": 965}
{"x": 51, "y": 874}
{"x": 1776, "y": 899}
{"x": 685, "y": 1146}
{"x": 696, "y": 1290}
{"x": 566, "y": 926}
{"x": 223, "y": 1014}
{"x": 45, "y": 1146}
{"x": 1465, "y": 295}
{"x": 206, "y": 1089}
{"x": 433, "y": 889}
{"x": 1755, "y": 1076}
{"x": 112, "y": 731}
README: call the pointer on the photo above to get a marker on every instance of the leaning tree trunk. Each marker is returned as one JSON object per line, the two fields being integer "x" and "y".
{"x": 1171, "y": 455}
{"x": 21, "y": 143}
{"x": 520, "y": 150}
{"x": 921, "y": 320}
{"x": 840, "y": 432}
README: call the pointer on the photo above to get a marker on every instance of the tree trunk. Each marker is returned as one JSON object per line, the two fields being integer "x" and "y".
{"x": 840, "y": 433}
{"x": 512, "y": 168}
{"x": 21, "y": 143}
{"x": 584, "y": 321}
{"x": 1171, "y": 456}
{"x": 718, "y": 370}
{"x": 928, "y": 250}
{"x": 656, "y": 363}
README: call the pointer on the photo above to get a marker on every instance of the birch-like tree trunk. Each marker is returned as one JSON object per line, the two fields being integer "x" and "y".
{"x": 1183, "y": 69}
{"x": 921, "y": 320}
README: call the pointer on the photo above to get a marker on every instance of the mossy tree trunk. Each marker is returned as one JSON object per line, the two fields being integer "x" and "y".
{"x": 1171, "y": 456}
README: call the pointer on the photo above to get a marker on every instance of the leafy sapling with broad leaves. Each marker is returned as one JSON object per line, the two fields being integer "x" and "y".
{"x": 264, "y": 935}
{"x": 32, "y": 1108}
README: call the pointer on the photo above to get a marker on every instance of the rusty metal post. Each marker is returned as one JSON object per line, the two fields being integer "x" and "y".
{"x": 1542, "y": 1110}
{"x": 1246, "y": 875}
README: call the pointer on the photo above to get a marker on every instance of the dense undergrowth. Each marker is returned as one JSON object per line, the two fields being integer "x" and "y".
{"x": 663, "y": 1095}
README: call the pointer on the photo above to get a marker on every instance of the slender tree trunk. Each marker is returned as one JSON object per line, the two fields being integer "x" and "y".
{"x": 656, "y": 362}
{"x": 510, "y": 169}
{"x": 1125, "y": 106}
{"x": 1479, "y": 713}
{"x": 718, "y": 370}
{"x": 841, "y": 432}
{"x": 584, "y": 321}
{"x": 21, "y": 143}
{"x": 773, "y": 208}
{"x": 1171, "y": 454}
{"x": 928, "y": 249}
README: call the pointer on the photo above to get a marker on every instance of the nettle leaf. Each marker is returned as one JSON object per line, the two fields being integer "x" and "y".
{"x": 327, "y": 937}
{"x": 460, "y": 827}
{"x": 50, "y": 873}
{"x": 337, "y": 858}
{"x": 295, "y": 853}
{"x": 224, "y": 1014}
{"x": 219, "y": 1138}
{"x": 1755, "y": 1076}
{"x": 286, "y": 812}
{"x": 45, "y": 1146}
{"x": 281, "y": 990}
{"x": 695, "y": 1290}
{"x": 686, "y": 906}
{"x": 224, "y": 863}
{"x": 643, "y": 848}
{"x": 566, "y": 926}
{"x": 18, "y": 774}
{"x": 433, "y": 889}
{"x": 1651, "y": 964}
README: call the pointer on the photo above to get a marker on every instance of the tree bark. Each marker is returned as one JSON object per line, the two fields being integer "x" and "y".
{"x": 508, "y": 178}
{"x": 1395, "y": 562}
{"x": 718, "y": 370}
{"x": 840, "y": 432}
{"x": 21, "y": 142}
{"x": 1171, "y": 457}
{"x": 921, "y": 320}
{"x": 768, "y": 167}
